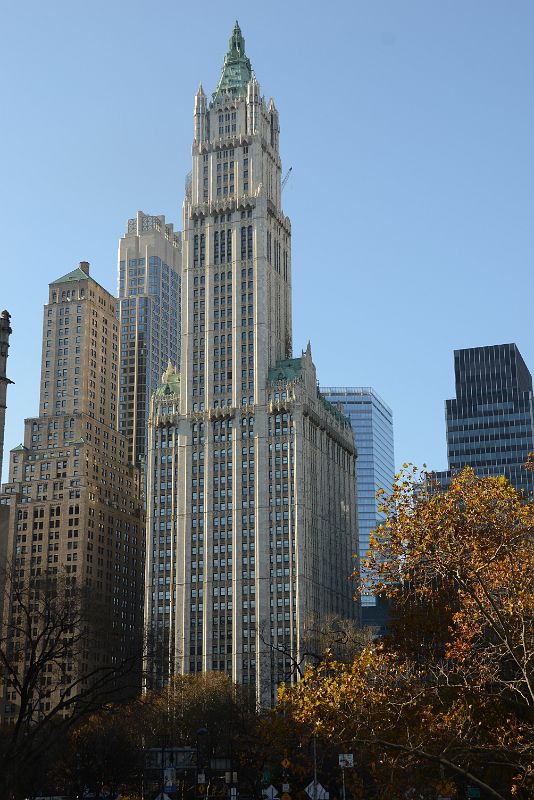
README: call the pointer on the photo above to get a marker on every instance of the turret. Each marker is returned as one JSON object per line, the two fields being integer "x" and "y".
{"x": 274, "y": 123}
{"x": 253, "y": 104}
{"x": 201, "y": 132}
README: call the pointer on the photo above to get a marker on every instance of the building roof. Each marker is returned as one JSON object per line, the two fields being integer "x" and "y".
{"x": 18, "y": 448}
{"x": 350, "y": 392}
{"x": 289, "y": 369}
{"x": 236, "y": 70}
{"x": 76, "y": 275}
{"x": 81, "y": 273}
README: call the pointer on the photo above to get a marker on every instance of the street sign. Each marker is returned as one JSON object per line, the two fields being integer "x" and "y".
{"x": 201, "y": 788}
{"x": 285, "y": 763}
{"x": 346, "y": 760}
{"x": 285, "y": 787}
{"x": 201, "y": 778}
{"x": 169, "y": 779}
{"x": 316, "y": 791}
{"x": 270, "y": 792}
{"x": 285, "y": 796}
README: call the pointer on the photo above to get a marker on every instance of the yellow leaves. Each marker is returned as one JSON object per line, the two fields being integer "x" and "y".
{"x": 459, "y": 567}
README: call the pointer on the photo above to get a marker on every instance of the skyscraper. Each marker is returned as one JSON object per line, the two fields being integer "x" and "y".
{"x": 372, "y": 423}
{"x": 251, "y": 525}
{"x": 149, "y": 314}
{"x": 5, "y": 332}
{"x": 490, "y": 422}
{"x": 75, "y": 506}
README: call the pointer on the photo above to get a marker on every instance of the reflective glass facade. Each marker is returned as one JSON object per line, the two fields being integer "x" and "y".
{"x": 490, "y": 423}
{"x": 372, "y": 423}
{"x": 149, "y": 314}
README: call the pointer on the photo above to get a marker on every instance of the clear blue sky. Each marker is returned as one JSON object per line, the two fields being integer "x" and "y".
{"x": 409, "y": 126}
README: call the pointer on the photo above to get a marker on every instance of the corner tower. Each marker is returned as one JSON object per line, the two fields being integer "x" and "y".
{"x": 250, "y": 546}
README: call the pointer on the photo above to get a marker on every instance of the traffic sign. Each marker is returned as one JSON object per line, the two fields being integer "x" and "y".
{"x": 316, "y": 791}
{"x": 270, "y": 792}
{"x": 346, "y": 760}
{"x": 285, "y": 796}
{"x": 285, "y": 763}
{"x": 201, "y": 788}
{"x": 473, "y": 791}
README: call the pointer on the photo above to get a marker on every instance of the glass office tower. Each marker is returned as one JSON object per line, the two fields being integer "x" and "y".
{"x": 490, "y": 423}
{"x": 372, "y": 423}
{"x": 150, "y": 258}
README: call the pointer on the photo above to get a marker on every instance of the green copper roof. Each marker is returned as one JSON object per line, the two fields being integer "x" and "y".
{"x": 236, "y": 70}
{"x": 76, "y": 275}
{"x": 336, "y": 412}
{"x": 170, "y": 382}
{"x": 287, "y": 370}
{"x": 18, "y": 447}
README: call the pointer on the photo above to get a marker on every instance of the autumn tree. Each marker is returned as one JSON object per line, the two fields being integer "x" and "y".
{"x": 47, "y": 679}
{"x": 448, "y": 698}
{"x": 101, "y": 752}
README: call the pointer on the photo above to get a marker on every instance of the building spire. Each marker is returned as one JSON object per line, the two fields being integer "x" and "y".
{"x": 237, "y": 70}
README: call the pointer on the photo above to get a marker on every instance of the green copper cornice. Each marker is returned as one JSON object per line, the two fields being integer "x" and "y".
{"x": 236, "y": 71}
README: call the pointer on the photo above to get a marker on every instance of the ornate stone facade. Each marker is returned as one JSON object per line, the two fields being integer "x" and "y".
{"x": 251, "y": 525}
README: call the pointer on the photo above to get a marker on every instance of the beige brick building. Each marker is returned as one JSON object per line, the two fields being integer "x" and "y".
{"x": 75, "y": 513}
{"x": 251, "y": 525}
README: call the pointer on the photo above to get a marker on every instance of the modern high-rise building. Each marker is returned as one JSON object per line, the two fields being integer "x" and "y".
{"x": 490, "y": 422}
{"x": 251, "y": 522}
{"x": 75, "y": 511}
{"x": 372, "y": 423}
{"x": 150, "y": 255}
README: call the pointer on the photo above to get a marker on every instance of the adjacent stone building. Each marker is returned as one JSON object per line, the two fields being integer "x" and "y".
{"x": 76, "y": 517}
{"x": 251, "y": 521}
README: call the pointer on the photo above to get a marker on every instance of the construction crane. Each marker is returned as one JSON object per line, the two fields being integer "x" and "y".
{"x": 286, "y": 177}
